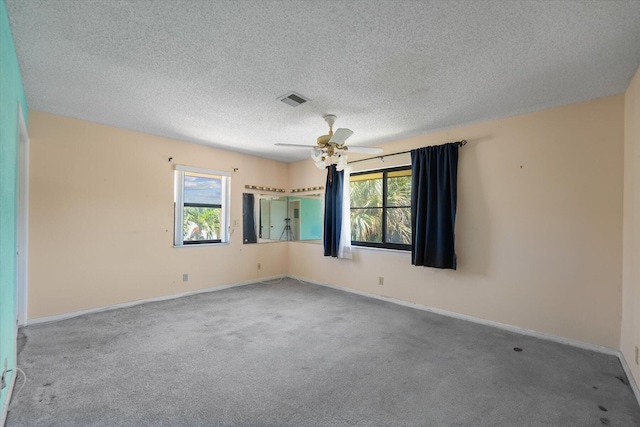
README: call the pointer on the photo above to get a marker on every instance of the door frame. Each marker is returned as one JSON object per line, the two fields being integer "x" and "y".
{"x": 22, "y": 237}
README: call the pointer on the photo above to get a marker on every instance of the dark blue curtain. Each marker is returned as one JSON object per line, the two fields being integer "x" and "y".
{"x": 333, "y": 211}
{"x": 249, "y": 218}
{"x": 433, "y": 205}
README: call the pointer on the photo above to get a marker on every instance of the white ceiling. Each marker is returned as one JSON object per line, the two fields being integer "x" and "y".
{"x": 210, "y": 71}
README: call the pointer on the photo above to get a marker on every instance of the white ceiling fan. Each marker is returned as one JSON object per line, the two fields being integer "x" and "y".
{"x": 331, "y": 148}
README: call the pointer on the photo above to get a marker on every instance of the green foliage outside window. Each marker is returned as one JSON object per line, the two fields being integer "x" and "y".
{"x": 366, "y": 224}
{"x": 201, "y": 223}
{"x": 399, "y": 210}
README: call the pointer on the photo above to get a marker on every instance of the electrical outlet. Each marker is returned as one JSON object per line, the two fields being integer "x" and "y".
{"x": 259, "y": 266}
{"x": 380, "y": 280}
{"x": 637, "y": 351}
{"x": 185, "y": 277}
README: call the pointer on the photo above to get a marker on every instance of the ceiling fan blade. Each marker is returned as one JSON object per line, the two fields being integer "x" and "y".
{"x": 295, "y": 145}
{"x": 365, "y": 150}
{"x": 340, "y": 136}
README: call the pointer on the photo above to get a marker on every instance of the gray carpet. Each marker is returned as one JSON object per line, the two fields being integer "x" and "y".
{"x": 295, "y": 354}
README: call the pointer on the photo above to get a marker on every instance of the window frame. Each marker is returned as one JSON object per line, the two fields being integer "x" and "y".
{"x": 179, "y": 205}
{"x": 384, "y": 207}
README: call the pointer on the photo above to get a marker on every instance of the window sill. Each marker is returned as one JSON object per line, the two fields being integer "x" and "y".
{"x": 200, "y": 245}
{"x": 370, "y": 248}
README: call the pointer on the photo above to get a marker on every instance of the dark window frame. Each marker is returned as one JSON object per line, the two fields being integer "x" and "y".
{"x": 384, "y": 207}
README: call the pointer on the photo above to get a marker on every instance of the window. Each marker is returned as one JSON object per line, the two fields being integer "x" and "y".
{"x": 381, "y": 208}
{"x": 201, "y": 206}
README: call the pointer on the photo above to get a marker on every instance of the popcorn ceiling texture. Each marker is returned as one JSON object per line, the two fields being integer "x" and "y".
{"x": 210, "y": 71}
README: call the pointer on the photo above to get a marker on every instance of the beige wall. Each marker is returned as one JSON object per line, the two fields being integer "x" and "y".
{"x": 630, "y": 335}
{"x": 539, "y": 226}
{"x": 101, "y": 217}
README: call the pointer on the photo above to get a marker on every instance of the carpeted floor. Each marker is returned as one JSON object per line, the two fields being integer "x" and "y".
{"x": 295, "y": 354}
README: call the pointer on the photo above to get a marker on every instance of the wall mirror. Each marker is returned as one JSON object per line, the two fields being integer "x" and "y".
{"x": 267, "y": 218}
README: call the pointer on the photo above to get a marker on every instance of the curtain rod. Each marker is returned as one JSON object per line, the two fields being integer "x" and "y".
{"x": 461, "y": 143}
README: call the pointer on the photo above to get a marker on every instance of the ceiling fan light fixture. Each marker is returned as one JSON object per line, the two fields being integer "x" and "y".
{"x": 341, "y": 163}
{"x": 331, "y": 149}
{"x": 322, "y": 158}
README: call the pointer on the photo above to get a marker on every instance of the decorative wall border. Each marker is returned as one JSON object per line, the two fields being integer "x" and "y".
{"x": 260, "y": 188}
{"x": 300, "y": 190}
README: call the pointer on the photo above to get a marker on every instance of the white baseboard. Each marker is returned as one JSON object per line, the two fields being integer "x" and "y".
{"x": 511, "y": 328}
{"x": 504, "y": 326}
{"x": 5, "y": 405}
{"x": 63, "y": 316}
{"x": 517, "y": 329}
{"x": 632, "y": 381}
{"x": 507, "y": 327}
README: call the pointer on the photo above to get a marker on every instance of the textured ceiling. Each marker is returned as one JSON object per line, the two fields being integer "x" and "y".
{"x": 210, "y": 71}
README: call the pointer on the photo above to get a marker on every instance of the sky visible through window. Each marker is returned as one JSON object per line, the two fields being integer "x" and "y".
{"x": 198, "y": 189}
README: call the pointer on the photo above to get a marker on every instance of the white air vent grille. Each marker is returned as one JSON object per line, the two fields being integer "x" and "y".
{"x": 294, "y": 99}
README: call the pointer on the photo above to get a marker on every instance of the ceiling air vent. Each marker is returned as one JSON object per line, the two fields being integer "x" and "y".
{"x": 294, "y": 99}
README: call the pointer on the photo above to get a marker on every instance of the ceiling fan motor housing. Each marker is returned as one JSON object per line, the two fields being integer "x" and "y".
{"x": 323, "y": 140}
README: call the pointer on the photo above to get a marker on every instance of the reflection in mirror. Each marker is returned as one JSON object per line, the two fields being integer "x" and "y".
{"x": 280, "y": 218}
{"x": 274, "y": 222}
{"x": 306, "y": 217}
